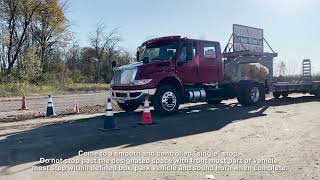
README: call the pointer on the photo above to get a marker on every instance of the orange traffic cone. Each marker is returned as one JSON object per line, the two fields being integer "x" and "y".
{"x": 146, "y": 116}
{"x": 24, "y": 103}
{"x": 76, "y": 108}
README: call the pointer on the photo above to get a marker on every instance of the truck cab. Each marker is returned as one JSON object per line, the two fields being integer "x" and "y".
{"x": 170, "y": 71}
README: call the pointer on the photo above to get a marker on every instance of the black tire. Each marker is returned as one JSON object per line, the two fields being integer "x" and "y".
{"x": 170, "y": 96}
{"x": 128, "y": 107}
{"x": 263, "y": 95}
{"x": 285, "y": 95}
{"x": 276, "y": 95}
{"x": 250, "y": 93}
{"x": 213, "y": 102}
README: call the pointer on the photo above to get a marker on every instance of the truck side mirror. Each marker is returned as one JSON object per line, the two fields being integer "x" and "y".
{"x": 145, "y": 60}
{"x": 113, "y": 64}
{"x": 138, "y": 56}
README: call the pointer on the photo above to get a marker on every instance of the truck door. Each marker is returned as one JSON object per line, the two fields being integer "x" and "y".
{"x": 186, "y": 66}
{"x": 209, "y": 63}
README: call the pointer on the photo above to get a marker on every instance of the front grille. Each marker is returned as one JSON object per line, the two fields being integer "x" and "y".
{"x": 123, "y": 95}
{"x": 117, "y": 77}
{"x": 136, "y": 94}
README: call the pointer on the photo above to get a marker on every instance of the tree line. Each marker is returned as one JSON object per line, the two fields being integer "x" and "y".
{"x": 37, "y": 46}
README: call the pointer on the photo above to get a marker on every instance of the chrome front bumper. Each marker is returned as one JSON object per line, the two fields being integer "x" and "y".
{"x": 131, "y": 95}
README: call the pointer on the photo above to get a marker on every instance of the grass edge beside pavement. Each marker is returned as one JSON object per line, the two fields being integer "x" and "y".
{"x": 20, "y": 89}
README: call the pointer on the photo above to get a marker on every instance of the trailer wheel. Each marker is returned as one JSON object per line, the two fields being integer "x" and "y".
{"x": 285, "y": 94}
{"x": 276, "y": 95}
{"x": 166, "y": 100}
{"x": 128, "y": 107}
{"x": 251, "y": 93}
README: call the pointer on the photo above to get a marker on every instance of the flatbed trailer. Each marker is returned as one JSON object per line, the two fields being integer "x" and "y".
{"x": 286, "y": 88}
{"x": 305, "y": 85}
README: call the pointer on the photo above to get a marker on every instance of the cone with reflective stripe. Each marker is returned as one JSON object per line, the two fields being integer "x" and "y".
{"x": 24, "y": 103}
{"x": 50, "y": 108}
{"x": 76, "y": 108}
{"x": 146, "y": 116}
{"x": 109, "y": 123}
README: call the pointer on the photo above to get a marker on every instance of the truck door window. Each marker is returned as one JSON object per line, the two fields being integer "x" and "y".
{"x": 209, "y": 50}
{"x": 183, "y": 52}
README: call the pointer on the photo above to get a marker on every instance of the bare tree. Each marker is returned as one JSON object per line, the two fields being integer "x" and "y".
{"x": 3, "y": 40}
{"x": 48, "y": 28}
{"x": 17, "y": 15}
{"x": 73, "y": 56}
{"x": 103, "y": 42}
{"x": 282, "y": 68}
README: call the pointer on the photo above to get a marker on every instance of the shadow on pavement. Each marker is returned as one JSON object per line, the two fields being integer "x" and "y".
{"x": 64, "y": 140}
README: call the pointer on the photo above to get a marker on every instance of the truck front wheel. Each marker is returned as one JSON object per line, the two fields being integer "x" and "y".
{"x": 128, "y": 106}
{"x": 166, "y": 100}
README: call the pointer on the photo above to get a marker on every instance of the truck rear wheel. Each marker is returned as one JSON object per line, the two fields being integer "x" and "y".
{"x": 128, "y": 107}
{"x": 251, "y": 93}
{"x": 166, "y": 100}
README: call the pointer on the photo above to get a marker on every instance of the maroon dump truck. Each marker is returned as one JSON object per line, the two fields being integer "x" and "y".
{"x": 174, "y": 70}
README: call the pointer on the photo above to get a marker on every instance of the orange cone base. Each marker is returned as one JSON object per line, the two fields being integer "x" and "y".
{"x": 146, "y": 119}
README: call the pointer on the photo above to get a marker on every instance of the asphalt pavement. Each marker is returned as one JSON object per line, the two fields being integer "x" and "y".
{"x": 284, "y": 130}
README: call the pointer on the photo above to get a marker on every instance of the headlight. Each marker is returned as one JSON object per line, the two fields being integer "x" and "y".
{"x": 142, "y": 81}
{"x": 128, "y": 75}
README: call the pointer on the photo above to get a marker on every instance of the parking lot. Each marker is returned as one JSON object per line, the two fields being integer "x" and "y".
{"x": 285, "y": 132}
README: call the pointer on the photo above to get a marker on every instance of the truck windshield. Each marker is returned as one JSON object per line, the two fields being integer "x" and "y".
{"x": 158, "y": 52}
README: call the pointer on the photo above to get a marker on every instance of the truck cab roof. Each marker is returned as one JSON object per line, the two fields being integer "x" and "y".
{"x": 170, "y": 38}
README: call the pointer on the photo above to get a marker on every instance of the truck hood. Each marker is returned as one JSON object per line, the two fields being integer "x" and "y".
{"x": 130, "y": 66}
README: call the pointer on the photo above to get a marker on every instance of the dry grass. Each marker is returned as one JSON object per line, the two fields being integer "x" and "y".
{"x": 19, "y": 89}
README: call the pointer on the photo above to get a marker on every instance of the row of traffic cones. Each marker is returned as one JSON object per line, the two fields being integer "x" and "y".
{"x": 50, "y": 107}
{"x": 110, "y": 122}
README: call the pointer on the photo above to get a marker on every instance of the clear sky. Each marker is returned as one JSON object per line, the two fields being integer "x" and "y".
{"x": 292, "y": 27}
